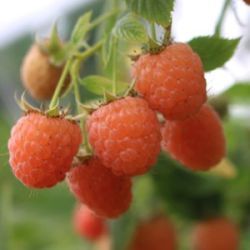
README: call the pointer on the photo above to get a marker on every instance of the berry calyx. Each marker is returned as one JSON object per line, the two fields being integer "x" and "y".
{"x": 216, "y": 234}
{"x": 87, "y": 224}
{"x": 42, "y": 148}
{"x": 96, "y": 186}
{"x": 172, "y": 81}
{"x": 197, "y": 142}
{"x": 125, "y": 136}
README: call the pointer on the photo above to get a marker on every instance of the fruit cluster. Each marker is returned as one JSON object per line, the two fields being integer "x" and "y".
{"x": 125, "y": 134}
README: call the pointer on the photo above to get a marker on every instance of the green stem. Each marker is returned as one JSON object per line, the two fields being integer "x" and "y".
{"x": 114, "y": 68}
{"x": 221, "y": 18}
{"x": 167, "y": 35}
{"x": 101, "y": 19}
{"x": 76, "y": 66}
{"x": 60, "y": 84}
{"x": 82, "y": 56}
{"x": 153, "y": 31}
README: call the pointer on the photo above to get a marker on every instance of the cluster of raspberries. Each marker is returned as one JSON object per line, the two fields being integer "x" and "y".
{"x": 126, "y": 135}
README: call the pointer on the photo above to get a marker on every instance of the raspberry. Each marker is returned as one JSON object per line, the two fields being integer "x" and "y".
{"x": 197, "y": 142}
{"x": 216, "y": 234}
{"x": 42, "y": 149}
{"x": 87, "y": 224}
{"x": 156, "y": 234}
{"x": 125, "y": 135}
{"x": 172, "y": 82}
{"x": 39, "y": 76}
{"x": 96, "y": 186}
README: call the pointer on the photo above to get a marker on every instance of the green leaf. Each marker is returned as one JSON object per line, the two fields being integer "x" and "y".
{"x": 184, "y": 192}
{"x": 158, "y": 11}
{"x": 131, "y": 29}
{"x": 99, "y": 85}
{"x": 239, "y": 93}
{"x": 81, "y": 28}
{"x": 214, "y": 51}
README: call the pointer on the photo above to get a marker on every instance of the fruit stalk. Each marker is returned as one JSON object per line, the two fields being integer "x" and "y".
{"x": 60, "y": 84}
{"x": 221, "y": 18}
{"x": 114, "y": 68}
{"x": 87, "y": 53}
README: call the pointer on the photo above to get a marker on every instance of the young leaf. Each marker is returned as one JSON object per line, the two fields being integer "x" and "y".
{"x": 158, "y": 11}
{"x": 131, "y": 29}
{"x": 81, "y": 28}
{"x": 239, "y": 93}
{"x": 214, "y": 51}
{"x": 99, "y": 85}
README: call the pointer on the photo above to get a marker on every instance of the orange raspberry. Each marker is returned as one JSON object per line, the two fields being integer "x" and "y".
{"x": 87, "y": 224}
{"x": 42, "y": 149}
{"x": 125, "y": 135}
{"x": 39, "y": 75}
{"x": 172, "y": 82}
{"x": 197, "y": 142}
{"x": 103, "y": 192}
{"x": 216, "y": 234}
{"x": 155, "y": 234}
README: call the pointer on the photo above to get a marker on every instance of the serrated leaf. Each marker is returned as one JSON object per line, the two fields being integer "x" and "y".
{"x": 158, "y": 11}
{"x": 99, "y": 85}
{"x": 81, "y": 28}
{"x": 239, "y": 93}
{"x": 131, "y": 29}
{"x": 214, "y": 51}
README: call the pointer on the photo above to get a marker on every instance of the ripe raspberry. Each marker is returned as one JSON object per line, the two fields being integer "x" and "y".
{"x": 87, "y": 224}
{"x": 39, "y": 76}
{"x": 156, "y": 234}
{"x": 42, "y": 149}
{"x": 125, "y": 135}
{"x": 172, "y": 82}
{"x": 197, "y": 142}
{"x": 103, "y": 192}
{"x": 216, "y": 234}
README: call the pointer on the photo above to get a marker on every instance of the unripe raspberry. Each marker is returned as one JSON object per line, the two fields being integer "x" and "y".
{"x": 172, "y": 81}
{"x": 103, "y": 192}
{"x": 216, "y": 234}
{"x": 156, "y": 234}
{"x": 125, "y": 135}
{"x": 197, "y": 142}
{"x": 42, "y": 148}
{"x": 87, "y": 224}
{"x": 39, "y": 75}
